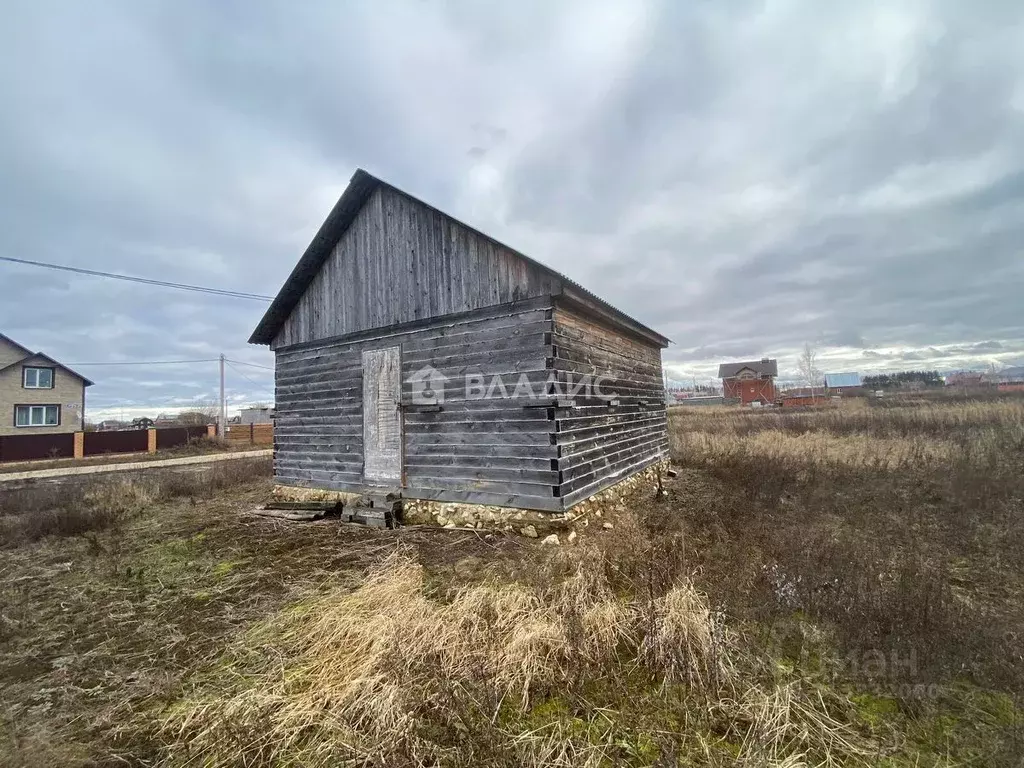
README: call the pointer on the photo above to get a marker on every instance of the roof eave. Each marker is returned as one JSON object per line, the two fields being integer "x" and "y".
{"x": 617, "y": 317}
{"x": 13, "y": 343}
{"x": 359, "y": 188}
{"x": 86, "y": 382}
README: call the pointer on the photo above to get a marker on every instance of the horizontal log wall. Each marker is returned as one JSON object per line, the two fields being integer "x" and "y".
{"x": 599, "y": 441}
{"x": 490, "y": 447}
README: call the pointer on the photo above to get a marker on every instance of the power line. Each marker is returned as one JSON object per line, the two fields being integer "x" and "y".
{"x": 242, "y": 374}
{"x": 253, "y": 365}
{"x": 144, "y": 363}
{"x": 92, "y": 406}
{"x": 144, "y": 280}
{"x": 173, "y": 362}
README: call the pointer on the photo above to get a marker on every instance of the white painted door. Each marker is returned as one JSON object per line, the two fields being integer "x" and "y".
{"x": 382, "y": 416}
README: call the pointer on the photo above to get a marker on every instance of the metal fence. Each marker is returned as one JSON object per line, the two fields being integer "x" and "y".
{"x": 174, "y": 437}
{"x": 120, "y": 441}
{"x": 29, "y": 447}
{"x": 62, "y": 445}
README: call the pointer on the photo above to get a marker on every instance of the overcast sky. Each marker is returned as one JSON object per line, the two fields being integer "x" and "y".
{"x": 742, "y": 176}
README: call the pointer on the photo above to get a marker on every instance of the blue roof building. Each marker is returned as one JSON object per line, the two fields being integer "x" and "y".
{"x": 842, "y": 380}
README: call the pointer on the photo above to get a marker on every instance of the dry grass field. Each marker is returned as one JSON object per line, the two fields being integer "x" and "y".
{"x": 835, "y": 587}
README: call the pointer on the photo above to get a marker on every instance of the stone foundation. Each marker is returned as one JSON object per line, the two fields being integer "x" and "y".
{"x": 525, "y": 521}
{"x": 529, "y": 522}
{"x": 291, "y": 493}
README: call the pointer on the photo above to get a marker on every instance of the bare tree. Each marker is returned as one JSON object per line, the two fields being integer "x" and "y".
{"x": 809, "y": 368}
{"x": 199, "y": 414}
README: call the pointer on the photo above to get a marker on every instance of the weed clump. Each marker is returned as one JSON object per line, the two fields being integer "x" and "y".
{"x": 387, "y": 675}
{"x": 98, "y": 507}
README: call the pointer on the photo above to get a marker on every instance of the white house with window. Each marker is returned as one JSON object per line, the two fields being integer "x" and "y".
{"x": 38, "y": 395}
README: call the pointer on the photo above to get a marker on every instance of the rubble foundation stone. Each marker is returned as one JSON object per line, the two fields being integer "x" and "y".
{"x": 527, "y": 522}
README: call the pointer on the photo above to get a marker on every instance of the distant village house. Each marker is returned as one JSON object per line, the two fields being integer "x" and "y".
{"x": 843, "y": 384}
{"x": 38, "y": 395}
{"x": 259, "y": 414}
{"x": 750, "y": 382}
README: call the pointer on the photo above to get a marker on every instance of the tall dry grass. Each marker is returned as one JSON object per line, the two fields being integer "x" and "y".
{"x": 897, "y": 526}
{"x": 499, "y": 674}
{"x": 855, "y": 434}
{"x": 855, "y": 416}
{"x": 855, "y": 450}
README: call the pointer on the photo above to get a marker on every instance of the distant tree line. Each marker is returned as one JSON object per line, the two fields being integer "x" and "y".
{"x": 903, "y": 379}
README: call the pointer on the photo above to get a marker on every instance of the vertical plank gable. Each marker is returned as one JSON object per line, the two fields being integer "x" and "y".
{"x": 402, "y": 261}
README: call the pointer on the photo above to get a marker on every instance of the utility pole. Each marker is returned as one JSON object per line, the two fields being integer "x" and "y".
{"x": 220, "y": 425}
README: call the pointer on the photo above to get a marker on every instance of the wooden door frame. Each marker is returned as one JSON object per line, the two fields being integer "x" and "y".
{"x": 382, "y": 353}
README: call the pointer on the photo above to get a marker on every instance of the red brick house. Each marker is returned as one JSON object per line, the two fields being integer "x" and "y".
{"x": 750, "y": 382}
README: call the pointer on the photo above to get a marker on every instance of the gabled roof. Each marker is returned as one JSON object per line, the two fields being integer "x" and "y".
{"x": 31, "y": 355}
{"x": 842, "y": 380}
{"x": 762, "y": 367}
{"x": 359, "y": 189}
{"x": 13, "y": 343}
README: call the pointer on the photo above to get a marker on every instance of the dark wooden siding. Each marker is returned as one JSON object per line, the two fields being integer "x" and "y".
{"x": 493, "y": 450}
{"x": 600, "y": 443}
{"x": 401, "y": 261}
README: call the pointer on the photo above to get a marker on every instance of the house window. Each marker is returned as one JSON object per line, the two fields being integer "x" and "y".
{"x": 36, "y": 415}
{"x": 38, "y": 378}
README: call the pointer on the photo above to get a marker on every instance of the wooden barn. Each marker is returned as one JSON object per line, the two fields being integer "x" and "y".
{"x": 418, "y": 356}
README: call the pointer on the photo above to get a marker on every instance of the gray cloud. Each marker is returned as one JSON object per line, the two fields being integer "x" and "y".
{"x": 745, "y": 177}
